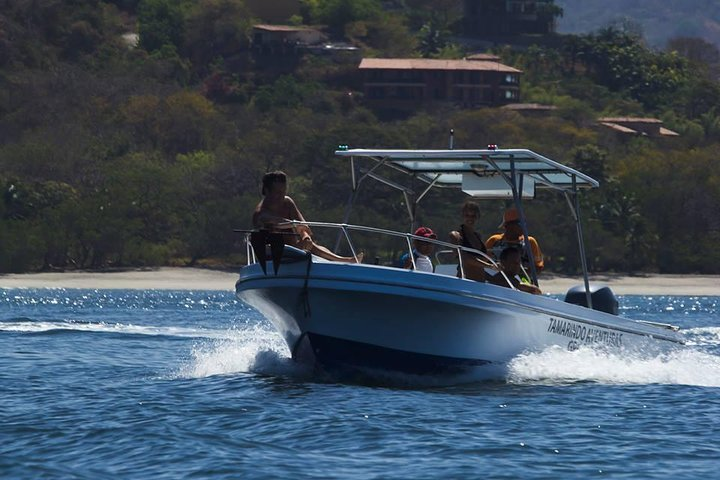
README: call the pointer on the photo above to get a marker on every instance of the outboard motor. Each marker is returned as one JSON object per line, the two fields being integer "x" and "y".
{"x": 603, "y": 299}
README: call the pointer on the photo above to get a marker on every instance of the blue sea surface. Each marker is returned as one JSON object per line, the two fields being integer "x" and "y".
{"x": 195, "y": 384}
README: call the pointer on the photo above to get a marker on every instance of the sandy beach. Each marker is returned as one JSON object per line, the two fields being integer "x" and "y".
{"x": 205, "y": 279}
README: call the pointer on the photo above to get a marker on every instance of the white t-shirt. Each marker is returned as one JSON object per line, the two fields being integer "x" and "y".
{"x": 423, "y": 263}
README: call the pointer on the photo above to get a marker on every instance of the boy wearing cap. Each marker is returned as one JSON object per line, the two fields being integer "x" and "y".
{"x": 421, "y": 251}
{"x": 510, "y": 264}
{"x": 513, "y": 236}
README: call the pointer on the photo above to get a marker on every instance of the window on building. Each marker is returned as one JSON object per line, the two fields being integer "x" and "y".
{"x": 407, "y": 93}
{"x": 376, "y": 92}
{"x": 457, "y": 94}
{"x": 511, "y": 78}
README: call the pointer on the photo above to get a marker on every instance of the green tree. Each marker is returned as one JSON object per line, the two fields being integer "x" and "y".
{"x": 161, "y": 23}
{"x": 216, "y": 29}
{"x": 432, "y": 39}
{"x": 35, "y": 219}
{"x": 338, "y": 13}
{"x": 540, "y": 63}
{"x": 677, "y": 192}
{"x": 388, "y": 35}
{"x": 697, "y": 50}
{"x": 187, "y": 122}
{"x": 286, "y": 92}
{"x": 619, "y": 60}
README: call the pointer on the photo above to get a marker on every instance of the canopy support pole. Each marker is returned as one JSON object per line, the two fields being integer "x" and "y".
{"x": 351, "y": 200}
{"x": 575, "y": 209}
{"x": 411, "y": 200}
{"x": 411, "y": 208}
{"x": 517, "y": 199}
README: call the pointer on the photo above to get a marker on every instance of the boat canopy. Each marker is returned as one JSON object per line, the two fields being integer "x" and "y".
{"x": 492, "y": 173}
{"x": 488, "y": 173}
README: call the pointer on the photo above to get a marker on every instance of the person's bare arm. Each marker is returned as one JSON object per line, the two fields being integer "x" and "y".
{"x": 529, "y": 288}
{"x": 293, "y": 210}
{"x": 295, "y": 214}
{"x": 537, "y": 254}
{"x": 265, "y": 217}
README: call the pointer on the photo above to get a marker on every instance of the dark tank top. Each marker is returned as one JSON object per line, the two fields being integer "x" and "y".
{"x": 471, "y": 239}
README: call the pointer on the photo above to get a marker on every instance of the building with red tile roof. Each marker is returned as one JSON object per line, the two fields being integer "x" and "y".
{"x": 651, "y": 127}
{"x": 403, "y": 83}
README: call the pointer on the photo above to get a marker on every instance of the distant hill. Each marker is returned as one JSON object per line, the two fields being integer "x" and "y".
{"x": 661, "y": 20}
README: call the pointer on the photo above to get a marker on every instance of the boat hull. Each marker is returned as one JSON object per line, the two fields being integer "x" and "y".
{"x": 417, "y": 322}
{"x": 333, "y": 351}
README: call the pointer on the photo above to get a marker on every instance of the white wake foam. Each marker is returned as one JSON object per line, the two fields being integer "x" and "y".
{"x": 252, "y": 348}
{"x": 703, "y": 336}
{"x": 685, "y": 366}
{"x": 29, "y": 326}
{"x": 259, "y": 349}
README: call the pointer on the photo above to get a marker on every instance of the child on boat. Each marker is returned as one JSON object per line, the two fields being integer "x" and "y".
{"x": 277, "y": 207}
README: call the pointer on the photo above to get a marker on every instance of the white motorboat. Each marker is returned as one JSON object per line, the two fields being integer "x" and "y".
{"x": 389, "y": 318}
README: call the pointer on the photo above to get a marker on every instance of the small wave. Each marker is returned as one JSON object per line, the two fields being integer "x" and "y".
{"x": 680, "y": 367}
{"x": 252, "y": 348}
{"x": 45, "y": 327}
{"x": 372, "y": 377}
{"x": 703, "y": 336}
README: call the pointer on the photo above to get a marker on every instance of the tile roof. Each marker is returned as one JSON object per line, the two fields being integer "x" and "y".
{"x": 283, "y": 28}
{"x": 529, "y": 107}
{"x": 629, "y": 120}
{"x": 663, "y": 132}
{"x": 434, "y": 64}
{"x": 618, "y": 128}
{"x": 668, "y": 133}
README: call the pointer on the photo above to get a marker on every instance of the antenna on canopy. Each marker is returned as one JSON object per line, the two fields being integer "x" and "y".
{"x": 452, "y": 137}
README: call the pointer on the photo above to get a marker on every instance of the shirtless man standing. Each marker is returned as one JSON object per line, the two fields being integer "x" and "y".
{"x": 276, "y": 208}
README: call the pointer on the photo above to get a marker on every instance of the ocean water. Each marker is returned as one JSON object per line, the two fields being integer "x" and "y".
{"x": 195, "y": 384}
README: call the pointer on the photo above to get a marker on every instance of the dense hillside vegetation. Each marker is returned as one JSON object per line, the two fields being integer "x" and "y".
{"x": 113, "y": 155}
{"x": 660, "y": 20}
